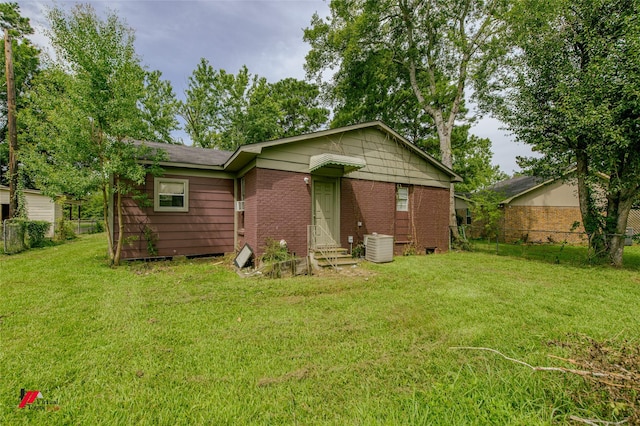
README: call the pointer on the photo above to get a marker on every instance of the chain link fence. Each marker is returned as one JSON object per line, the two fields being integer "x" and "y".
{"x": 13, "y": 237}
{"x": 548, "y": 245}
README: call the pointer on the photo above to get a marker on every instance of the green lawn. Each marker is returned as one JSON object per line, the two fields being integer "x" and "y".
{"x": 189, "y": 342}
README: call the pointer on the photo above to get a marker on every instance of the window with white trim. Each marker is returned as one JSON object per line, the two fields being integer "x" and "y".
{"x": 171, "y": 195}
{"x": 402, "y": 199}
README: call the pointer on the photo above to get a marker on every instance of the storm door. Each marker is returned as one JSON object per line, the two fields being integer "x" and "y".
{"x": 326, "y": 212}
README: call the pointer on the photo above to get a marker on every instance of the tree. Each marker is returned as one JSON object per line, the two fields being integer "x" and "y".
{"x": 199, "y": 108}
{"x": 298, "y": 108}
{"x": 83, "y": 108}
{"x": 573, "y": 94}
{"x": 159, "y": 109}
{"x": 471, "y": 159}
{"x": 224, "y": 110}
{"x": 25, "y": 64}
{"x": 430, "y": 48}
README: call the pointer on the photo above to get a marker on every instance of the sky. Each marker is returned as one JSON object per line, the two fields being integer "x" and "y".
{"x": 264, "y": 35}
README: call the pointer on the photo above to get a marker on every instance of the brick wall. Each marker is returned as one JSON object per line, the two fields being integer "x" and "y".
{"x": 371, "y": 203}
{"x": 277, "y": 206}
{"x": 430, "y": 208}
{"x": 542, "y": 224}
{"x": 374, "y": 205}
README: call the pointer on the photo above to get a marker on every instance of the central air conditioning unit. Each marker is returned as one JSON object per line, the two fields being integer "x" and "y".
{"x": 239, "y": 206}
{"x": 379, "y": 248}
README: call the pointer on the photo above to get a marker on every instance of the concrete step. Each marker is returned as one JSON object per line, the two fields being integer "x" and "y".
{"x": 334, "y": 257}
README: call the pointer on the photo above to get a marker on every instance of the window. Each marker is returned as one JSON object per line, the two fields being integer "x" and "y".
{"x": 468, "y": 216}
{"x": 402, "y": 199}
{"x": 171, "y": 195}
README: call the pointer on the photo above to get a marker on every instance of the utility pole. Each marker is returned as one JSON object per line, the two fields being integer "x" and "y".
{"x": 12, "y": 132}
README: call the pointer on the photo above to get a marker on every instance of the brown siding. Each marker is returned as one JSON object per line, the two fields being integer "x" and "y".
{"x": 277, "y": 206}
{"x": 207, "y": 228}
{"x": 426, "y": 225}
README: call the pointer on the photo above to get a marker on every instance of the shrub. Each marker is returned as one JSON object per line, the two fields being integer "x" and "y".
{"x": 27, "y": 233}
{"x": 275, "y": 251}
{"x": 36, "y": 231}
{"x": 97, "y": 227}
{"x": 64, "y": 230}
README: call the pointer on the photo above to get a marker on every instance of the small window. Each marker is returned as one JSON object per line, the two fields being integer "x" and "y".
{"x": 402, "y": 199}
{"x": 468, "y": 216}
{"x": 171, "y": 195}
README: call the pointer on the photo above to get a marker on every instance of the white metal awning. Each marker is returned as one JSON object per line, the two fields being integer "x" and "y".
{"x": 349, "y": 163}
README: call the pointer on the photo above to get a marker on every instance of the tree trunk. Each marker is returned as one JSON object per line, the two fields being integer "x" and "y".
{"x": 11, "y": 127}
{"x": 105, "y": 215}
{"x": 619, "y": 206}
{"x": 116, "y": 258}
{"x": 588, "y": 212}
{"x": 446, "y": 156}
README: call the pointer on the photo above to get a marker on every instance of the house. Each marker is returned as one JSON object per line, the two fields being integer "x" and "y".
{"x": 327, "y": 188}
{"x": 542, "y": 210}
{"x": 38, "y": 207}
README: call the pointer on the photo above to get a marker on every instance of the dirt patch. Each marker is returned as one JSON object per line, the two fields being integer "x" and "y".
{"x": 296, "y": 375}
{"x": 347, "y": 271}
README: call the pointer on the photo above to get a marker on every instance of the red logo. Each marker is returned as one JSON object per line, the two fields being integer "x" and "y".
{"x": 27, "y": 398}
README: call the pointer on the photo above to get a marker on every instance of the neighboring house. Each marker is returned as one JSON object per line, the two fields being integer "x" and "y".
{"x": 319, "y": 189}
{"x": 38, "y": 207}
{"x": 539, "y": 210}
{"x": 463, "y": 208}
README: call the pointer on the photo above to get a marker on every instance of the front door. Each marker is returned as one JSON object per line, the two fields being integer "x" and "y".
{"x": 326, "y": 216}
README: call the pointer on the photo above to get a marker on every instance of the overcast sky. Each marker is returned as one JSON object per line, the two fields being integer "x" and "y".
{"x": 265, "y": 35}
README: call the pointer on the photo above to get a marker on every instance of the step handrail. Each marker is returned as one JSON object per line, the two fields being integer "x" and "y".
{"x": 324, "y": 249}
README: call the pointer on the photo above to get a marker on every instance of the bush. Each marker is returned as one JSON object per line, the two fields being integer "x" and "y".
{"x": 97, "y": 227}
{"x": 275, "y": 251}
{"x": 64, "y": 230}
{"x": 36, "y": 231}
{"x": 28, "y": 233}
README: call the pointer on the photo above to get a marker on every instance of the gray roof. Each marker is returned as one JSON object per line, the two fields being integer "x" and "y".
{"x": 511, "y": 187}
{"x": 189, "y": 155}
{"x": 201, "y": 158}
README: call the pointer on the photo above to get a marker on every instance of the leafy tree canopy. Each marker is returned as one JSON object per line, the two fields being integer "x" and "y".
{"x": 224, "y": 110}
{"x": 414, "y": 57}
{"x": 84, "y": 107}
{"x": 573, "y": 94}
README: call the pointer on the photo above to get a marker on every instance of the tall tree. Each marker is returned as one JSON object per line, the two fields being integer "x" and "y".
{"x": 471, "y": 159}
{"x": 200, "y": 108}
{"x": 12, "y": 131}
{"x": 574, "y": 95}
{"x": 84, "y": 108}
{"x": 430, "y": 48}
{"x": 159, "y": 109}
{"x": 224, "y": 110}
{"x": 25, "y": 64}
{"x": 298, "y": 108}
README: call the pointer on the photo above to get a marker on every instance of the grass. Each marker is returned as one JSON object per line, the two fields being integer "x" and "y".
{"x": 189, "y": 342}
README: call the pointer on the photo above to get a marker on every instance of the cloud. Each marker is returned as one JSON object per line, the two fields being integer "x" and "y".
{"x": 264, "y": 35}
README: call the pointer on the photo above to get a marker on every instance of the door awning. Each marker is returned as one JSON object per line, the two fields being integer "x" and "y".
{"x": 349, "y": 163}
